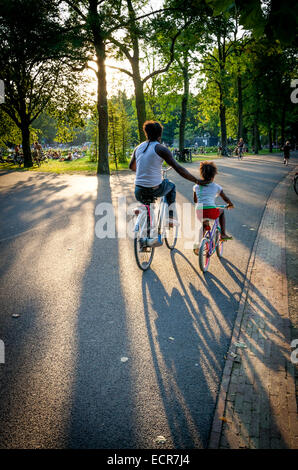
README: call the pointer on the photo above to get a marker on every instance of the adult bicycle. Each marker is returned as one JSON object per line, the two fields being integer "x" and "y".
{"x": 211, "y": 241}
{"x": 150, "y": 230}
{"x": 224, "y": 152}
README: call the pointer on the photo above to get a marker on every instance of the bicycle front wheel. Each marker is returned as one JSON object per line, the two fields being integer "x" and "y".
{"x": 204, "y": 258}
{"x": 143, "y": 255}
{"x": 171, "y": 235}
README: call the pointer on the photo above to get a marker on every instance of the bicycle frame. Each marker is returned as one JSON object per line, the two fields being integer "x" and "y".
{"x": 151, "y": 227}
{"x": 142, "y": 225}
{"x": 211, "y": 235}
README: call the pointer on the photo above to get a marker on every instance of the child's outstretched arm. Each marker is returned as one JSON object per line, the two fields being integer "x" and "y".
{"x": 227, "y": 200}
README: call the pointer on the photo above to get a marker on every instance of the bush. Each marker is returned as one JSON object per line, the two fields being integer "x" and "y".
{"x": 207, "y": 150}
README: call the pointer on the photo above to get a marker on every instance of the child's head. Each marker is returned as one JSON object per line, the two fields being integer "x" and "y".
{"x": 208, "y": 170}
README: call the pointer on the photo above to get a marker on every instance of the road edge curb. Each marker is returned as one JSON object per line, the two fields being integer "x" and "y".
{"x": 217, "y": 423}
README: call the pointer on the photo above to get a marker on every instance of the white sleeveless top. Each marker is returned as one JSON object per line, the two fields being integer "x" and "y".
{"x": 149, "y": 165}
{"x": 207, "y": 194}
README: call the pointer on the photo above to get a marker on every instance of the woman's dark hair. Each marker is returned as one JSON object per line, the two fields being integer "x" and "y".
{"x": 208, "y": 170}
{"x": 152, "y": 130}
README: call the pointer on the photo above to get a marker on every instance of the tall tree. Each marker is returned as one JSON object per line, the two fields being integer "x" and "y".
{"x": 94, "y": 21}
{"x": 215, "y": 63}
{"x": 273, "y": 19}
{"x": 30, "y": 64}
{"x": 137, "y": 30}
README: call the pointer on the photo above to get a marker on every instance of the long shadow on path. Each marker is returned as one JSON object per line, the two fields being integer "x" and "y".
{"x": 101, "y": 405}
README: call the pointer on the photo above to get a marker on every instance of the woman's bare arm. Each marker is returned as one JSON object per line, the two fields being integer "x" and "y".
{"x": 132, "y": 163}
{"x": 165, "y": 153}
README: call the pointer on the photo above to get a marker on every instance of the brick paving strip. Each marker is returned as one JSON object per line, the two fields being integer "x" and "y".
{"x": 256, "y": 406}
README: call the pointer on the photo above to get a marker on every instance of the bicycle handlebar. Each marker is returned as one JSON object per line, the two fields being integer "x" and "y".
{"x": 165, "y": 170}
{"x": 169, "y": 168}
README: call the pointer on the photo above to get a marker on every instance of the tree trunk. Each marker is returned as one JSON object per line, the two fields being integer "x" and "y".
{"x": 245, "y": 134}
{"x": 102, "y": 109}
{"x": 184, "y": 109}
{"x": 255, "y": 137}
{"x": 223, "y": 124}
{"x": 26, "y": 144}
{"x": 240, "y": 108}
{"x": 270, "y": 138}
{"x": 135, "y": 65}
{"x": 123, "y": 157}
{"x": 283, "y": 123}
{"x": 140, "y": 99}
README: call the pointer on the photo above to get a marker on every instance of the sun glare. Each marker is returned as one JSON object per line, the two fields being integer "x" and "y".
{"x": 116, "y": 80}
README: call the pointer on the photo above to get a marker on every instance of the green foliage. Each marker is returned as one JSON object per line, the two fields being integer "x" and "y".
{"x": 222, "y": 78}
{"x": 9, "y": 132}
{"x": 275, "y": 20}
{"x": 119, "y": 130}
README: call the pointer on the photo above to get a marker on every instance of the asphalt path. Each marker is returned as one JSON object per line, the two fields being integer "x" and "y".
{"x": 82, "y": 305}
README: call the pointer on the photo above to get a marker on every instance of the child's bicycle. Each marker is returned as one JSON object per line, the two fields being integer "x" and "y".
{"x": 150, "y": 234}
{"x": 211, "y": 242}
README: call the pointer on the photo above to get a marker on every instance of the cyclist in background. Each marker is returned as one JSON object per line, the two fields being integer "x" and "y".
{"x": 147, "y": 160}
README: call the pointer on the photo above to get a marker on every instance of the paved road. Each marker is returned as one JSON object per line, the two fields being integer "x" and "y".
{"x": 84, "y": 304}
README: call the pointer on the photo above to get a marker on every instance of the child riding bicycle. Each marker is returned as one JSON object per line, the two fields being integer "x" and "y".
{"x": 207, "y": 194}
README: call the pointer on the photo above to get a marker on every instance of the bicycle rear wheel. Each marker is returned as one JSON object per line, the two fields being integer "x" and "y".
{"x": 144, "y": 256}
{"x": 204, "y": 258}
{"x": 171, "y": 235}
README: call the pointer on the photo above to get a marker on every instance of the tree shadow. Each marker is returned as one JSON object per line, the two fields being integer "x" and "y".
{"x": 102, "y": 398}
{"x": 32, "y": 288}
{"x": 190, "y": 344}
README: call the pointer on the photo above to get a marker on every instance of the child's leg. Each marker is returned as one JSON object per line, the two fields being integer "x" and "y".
{"x": 222, "y": 222}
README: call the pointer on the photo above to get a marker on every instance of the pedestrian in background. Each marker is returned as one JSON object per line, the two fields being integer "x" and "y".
{"x": 286, "y": 150}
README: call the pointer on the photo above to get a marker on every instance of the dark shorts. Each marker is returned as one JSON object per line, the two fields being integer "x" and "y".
{"x": 166, "y": 188}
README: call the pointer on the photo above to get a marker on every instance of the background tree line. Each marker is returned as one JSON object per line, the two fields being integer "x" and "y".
{"x": 216, "y": 68}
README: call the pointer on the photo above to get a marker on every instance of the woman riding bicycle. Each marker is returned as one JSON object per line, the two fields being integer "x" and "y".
{"x": 147, "y": 160}
{"x": 207, "y": 195}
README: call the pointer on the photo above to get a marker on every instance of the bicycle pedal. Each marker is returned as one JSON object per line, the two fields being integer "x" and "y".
{"x": 154, "y": 242}
{"x": 144, "y": 249}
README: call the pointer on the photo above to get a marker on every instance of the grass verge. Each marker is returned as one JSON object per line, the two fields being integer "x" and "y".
{"x": 83, "y": 165}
